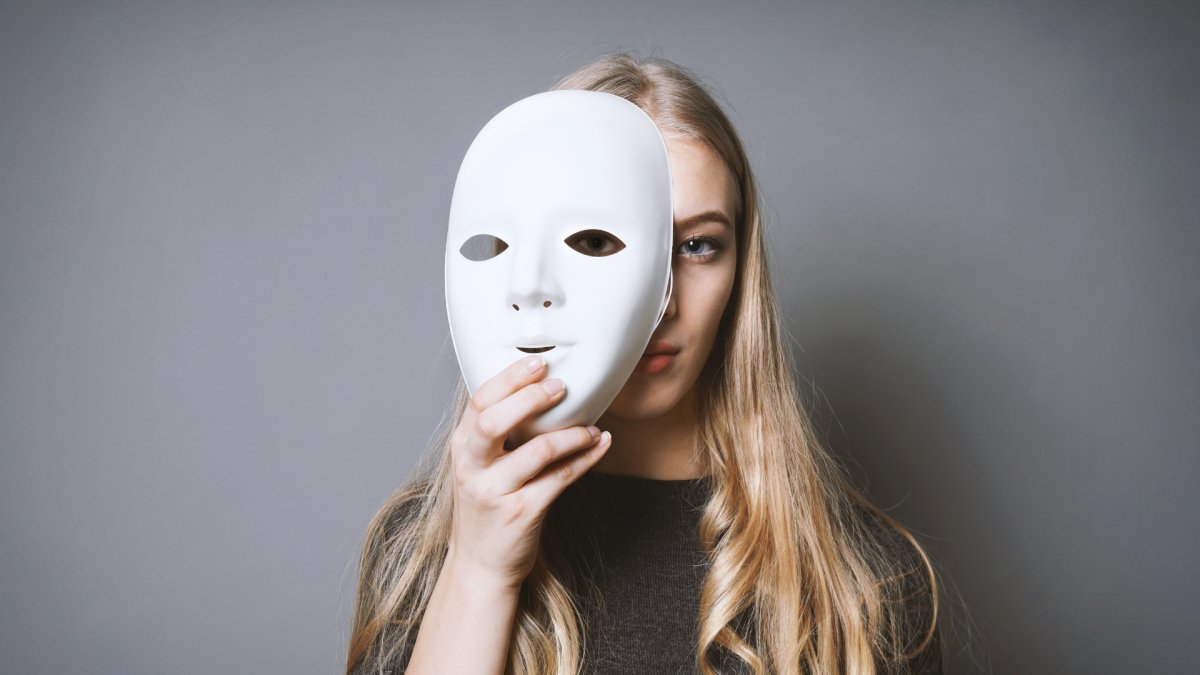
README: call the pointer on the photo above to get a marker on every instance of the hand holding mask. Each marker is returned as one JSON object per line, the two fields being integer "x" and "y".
{"x": 559, "y": 244}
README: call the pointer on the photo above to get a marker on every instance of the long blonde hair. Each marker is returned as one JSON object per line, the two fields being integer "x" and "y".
{"x": 799, "y": 581}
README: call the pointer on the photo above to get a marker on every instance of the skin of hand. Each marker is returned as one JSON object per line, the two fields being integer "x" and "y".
{"x": 501, "y": 497}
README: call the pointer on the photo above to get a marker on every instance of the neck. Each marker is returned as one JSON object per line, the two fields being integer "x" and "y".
{"x": 662, "y": 448}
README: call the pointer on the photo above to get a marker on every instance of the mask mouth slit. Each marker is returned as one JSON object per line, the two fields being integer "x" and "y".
{"x": 536, "y": 350}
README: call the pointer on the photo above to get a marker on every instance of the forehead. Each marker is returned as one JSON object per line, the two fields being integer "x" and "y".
{"x": 701, "y": 181}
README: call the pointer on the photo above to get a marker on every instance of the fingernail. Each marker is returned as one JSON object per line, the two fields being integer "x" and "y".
{"x": 605, "y": 438}
{"x": 534, "y": 363}
{"x": 594, "y": 431}
{"x": 552, "y": 387}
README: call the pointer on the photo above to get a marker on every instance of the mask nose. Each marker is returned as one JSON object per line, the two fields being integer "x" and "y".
{"x": 532, "y": 285}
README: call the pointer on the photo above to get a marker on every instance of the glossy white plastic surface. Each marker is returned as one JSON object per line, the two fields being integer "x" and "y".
{"x": 560, "y": 178}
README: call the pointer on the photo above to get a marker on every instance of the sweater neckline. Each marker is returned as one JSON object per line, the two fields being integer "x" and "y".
{"x": 691, "y": 490}
{"x": 645, "y": 481}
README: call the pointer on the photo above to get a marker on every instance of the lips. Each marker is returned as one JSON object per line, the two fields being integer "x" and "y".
{"x": 659, "y": 355}
{"x": 660, "y": 347}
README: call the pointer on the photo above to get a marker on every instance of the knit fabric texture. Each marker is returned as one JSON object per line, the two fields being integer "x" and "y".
{"x": 634, "y": 545}
{"x": 636, "y": 542}
{"x": 644, "y": 556}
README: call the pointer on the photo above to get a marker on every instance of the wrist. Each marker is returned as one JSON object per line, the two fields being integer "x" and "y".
{"x": 479, "y": 578}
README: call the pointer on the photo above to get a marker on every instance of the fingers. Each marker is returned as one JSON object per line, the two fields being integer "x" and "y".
{"x": 507, "y": 381}
{"x": 503, "y": 403}
{"x": 494, "y": 424}
{"x": 554, "y": 478}
{"x": 523, "y": 464}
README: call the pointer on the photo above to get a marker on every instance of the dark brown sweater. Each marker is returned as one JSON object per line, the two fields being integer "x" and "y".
{"x": 646, "y": 561}
{"x": 635, "y": 544}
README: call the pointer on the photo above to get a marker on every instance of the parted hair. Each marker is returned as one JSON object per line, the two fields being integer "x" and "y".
{"x": 805, "y": 575}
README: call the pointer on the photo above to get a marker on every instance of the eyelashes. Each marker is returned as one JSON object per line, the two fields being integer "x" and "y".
{"x": 593, "y": 243}
{"x": 685, "y": 249}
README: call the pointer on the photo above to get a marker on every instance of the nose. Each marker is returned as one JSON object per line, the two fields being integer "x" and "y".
{"x": 532, "y": 284}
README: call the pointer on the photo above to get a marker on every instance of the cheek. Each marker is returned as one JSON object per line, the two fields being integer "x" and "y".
{"x": 706, "y": 293}
{"x": 722, "y": 287}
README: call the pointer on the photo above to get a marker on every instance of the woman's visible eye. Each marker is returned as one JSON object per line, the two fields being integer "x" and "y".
{"x": 596, "y": 243}
{"x": 699, "y": 247}
{"x": 482, "y": 247}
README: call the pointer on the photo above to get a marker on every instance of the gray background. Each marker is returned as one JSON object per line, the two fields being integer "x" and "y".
{"x": 224, "y": 341}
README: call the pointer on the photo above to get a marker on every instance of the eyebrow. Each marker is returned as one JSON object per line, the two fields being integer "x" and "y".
{"x": 704, "y": 217}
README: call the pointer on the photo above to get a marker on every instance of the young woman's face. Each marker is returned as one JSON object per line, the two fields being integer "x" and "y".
{"x": 704, "y": 193}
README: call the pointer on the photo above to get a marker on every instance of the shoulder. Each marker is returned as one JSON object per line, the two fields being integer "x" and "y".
{"x": 403, "y": 508}
{"x": 396, "y": 520}
{"x": 909, "y": 585}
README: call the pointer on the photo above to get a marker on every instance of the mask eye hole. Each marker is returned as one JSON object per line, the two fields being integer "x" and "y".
{"x": 595, "y": 243}
{"x": 482, "y": 247}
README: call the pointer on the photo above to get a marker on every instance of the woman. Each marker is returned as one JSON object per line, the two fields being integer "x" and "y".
{"x": 491, "y": 561}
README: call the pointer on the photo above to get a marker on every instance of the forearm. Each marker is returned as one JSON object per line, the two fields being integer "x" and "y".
{"x": 466, "y": 627}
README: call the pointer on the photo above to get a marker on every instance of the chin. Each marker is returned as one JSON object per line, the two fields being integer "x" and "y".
{"x": 645, "y": 402}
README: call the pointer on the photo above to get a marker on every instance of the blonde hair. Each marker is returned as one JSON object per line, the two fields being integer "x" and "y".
{"x": 801, "y": 579}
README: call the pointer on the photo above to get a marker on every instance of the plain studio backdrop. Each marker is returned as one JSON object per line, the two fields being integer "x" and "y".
{"x": 224, "y": 340}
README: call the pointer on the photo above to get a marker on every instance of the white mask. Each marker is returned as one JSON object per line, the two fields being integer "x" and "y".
{"x": 539, "y": 176}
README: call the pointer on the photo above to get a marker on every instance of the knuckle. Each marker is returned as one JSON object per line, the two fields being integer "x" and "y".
{"x": 519, "y": 507}
{"x": 472, "y": 489}
{"x": 476, "y": 405}
{"x": 535, "y": 395}
{"x": 461, "y": 477}
{"x": 469, "y": 492}
{"x": 516, "y": 374}
{"x": 480, "y": 494}
{"x": 565, "y": 471}
{"x": 487, "y": 426}
{"x": 546, "y": 452}
{"x": 585, "y": 437}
